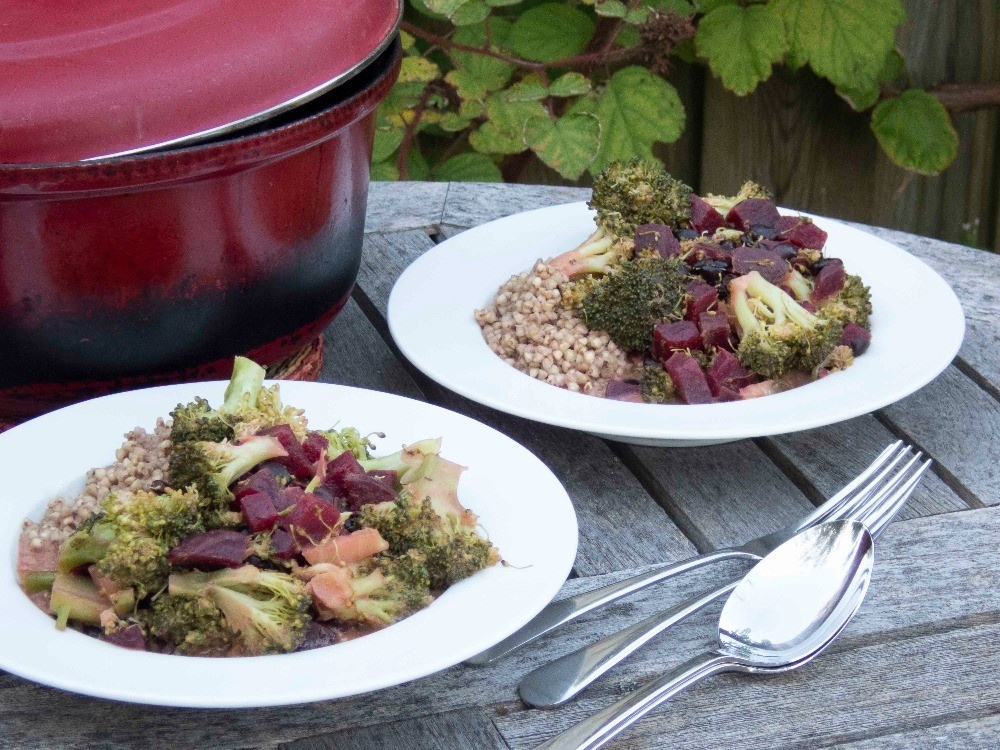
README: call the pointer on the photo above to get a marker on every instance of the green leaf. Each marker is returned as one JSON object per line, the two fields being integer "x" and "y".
{"x": 468, "y": 168}
{"x": 470, "y": 13}
{"x": 568, "y": 145}
{"x": 452, "y": 122}
{"x": 471, "y": 109}
{"x": 406, "y": 41}
{"x": 680, "y": 7}
{"x": 637, "y": 16}
{"x": 444, "y": 7}
{"x": 570, "y": 84}
{"x": 551, "y": 31}
{"x": 845, "y": 41}
{"x": 528, "y": 89}
{"x": 636, "y": 109}
{"x": 916, "y": 132}
{"x": 386, "y": 142}
{"x": 865, "y": 97}
{"x": 707, "y": 6}
{"x": 502, "y": 3}
{"x": 503, "y": 131}
{"x": 384, "y": 171}
{"x": 476, "y": 75}
{"x": 416, "y": 164}
{"x": 611, "y": 8}
{"x": 741, "y": 45}
{"x": 418, "y": 69}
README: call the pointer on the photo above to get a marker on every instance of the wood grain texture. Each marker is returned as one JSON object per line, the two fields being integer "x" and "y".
{"x": 472, "y": 204}
{"x": 971, "y": 734}
{"x": 468, "y": 729}
{"x": 397, "y": 206}
{"x": 829, "y": 457}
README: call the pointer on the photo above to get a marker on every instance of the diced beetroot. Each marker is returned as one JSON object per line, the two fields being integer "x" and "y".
{"x": 704, "y": 218}
{"x": 855, "y": 337}
{"x": 624, "y": 390}
{"x": 337, "y": 469}
{"x": 284, "y": 545}
{"x": 801, "y": 232}
{"x": 767, "y": 263}
{"x": 296, "y": 461}
{"x": 715, "y": 331}
{"x": 807, "y": 305}
{"x": 289, "y": 497}
{"x": 319, "y": 635}
{"x": 314, "y": 446}
{"x": 312, "y": 519}
{"x": 389, "y": 476}
{"x": 130, "y": 637}
{"x": 782, "y": 248}
{"x": 364, "y": 489}
{"x": 260, "y": 481}
{"x": 830, "y": 280}
{"x": 220, "y": 548}
{"x": 681, "y": 334}
{"x": 726, "y": 373}
{"x": 700, "y": 298}
{"x": 657, "y": 237}
{"x": 753, "y": 212}
{"x": 727, "y": 394}
{"x": 689, "y": 380}
{"x": 713, "y": 251}
{"x": 259, "y": 511}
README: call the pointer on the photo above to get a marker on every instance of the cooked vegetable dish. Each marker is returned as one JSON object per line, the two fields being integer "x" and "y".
{"x": 239, "y": 531}
{"x": 678, "y": 298}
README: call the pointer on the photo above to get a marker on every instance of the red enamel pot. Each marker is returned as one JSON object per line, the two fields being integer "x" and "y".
{"x": 161, "y": 266}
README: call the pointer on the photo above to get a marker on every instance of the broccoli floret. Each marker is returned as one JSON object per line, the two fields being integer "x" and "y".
{"x": 348, "y": 439}
{"x": 268, "y": 611}
{"x": 777, "y": 334}
{"x": 840, "y": 358}
{"x": 625, "y": 196}
{"x": 412, "y": 462}
{"x": 852, "y": 305}
{"x": 451, "y": 550}
{"x": 628, "y": 303}
{"x": 572, "y": 293}
{"x": 750, "y": 189}
{"x": 130, "y": 536}
{"x": 212, "y": 467}
{"x": 657, "y": 385}
{"x": 191, "y": 624}
{"x": 199, "y": 421}
{"x": 801, "y": 286}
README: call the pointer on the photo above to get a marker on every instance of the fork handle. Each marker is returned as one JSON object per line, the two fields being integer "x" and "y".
{"x": 564, "y": 610}
{"x": 562, "y": 679}
{"x": 602, "y": 727}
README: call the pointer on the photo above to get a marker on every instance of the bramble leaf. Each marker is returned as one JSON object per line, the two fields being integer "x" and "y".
{"x": 528, "y": 89}
{"x": 384, "y": 171}
{"x": 452, "y": 122}
{"x": 741, "y": 45}
{"x": 865, "y": 97}
{"x": 503, "y": 131}
{"x": 916, "y": 132}
{"x": 468, "y": 168}
{"x": 611, "y": 8}
{"x": 845, "y": 41}
{"x": 636, "y": 109}
{"x": 568, "y": 145}
{"x": 570, "y": 84}
{"x": 387, "y": 140}
{"x": 477, "y": 75}
{"x": 443, "y": 7}
{"x": 551, "y": 31}
{"x": 471, "y": 12}
{"x": 418, "y": 69}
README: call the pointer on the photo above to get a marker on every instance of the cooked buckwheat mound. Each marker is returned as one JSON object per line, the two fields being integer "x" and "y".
{"x": 529, "y": 329}
{"x": 141, "y": 461}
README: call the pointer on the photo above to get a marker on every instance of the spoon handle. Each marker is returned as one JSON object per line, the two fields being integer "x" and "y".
{"x": 605, "y": 725}
{"x": 564, "y": 610}
{"x": 562, "y": 679}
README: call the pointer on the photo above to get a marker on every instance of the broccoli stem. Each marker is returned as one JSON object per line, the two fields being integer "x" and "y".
{"x": 245, "y": 384}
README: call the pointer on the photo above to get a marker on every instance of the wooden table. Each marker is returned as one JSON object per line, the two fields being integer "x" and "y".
{"x": 917, "y": 668}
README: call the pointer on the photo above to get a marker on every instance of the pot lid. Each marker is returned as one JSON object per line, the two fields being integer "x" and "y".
{"x": 96, "y": 79}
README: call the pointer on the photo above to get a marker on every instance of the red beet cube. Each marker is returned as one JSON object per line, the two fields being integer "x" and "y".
{"x": 782, "y": 248}
{"x": 284, "y": 545}
{"x": 260, "y": 481}
{"x": 726, "y": 373}
{"x": 855, "y": 337}
{"x": 296, "y": 461}
{"x": 712, "y": 251}
{"x": 704, "y": 218}
{"x": 130, "y": 637}
{"x": 830, "y": 280}
{"x": 365, "y": 489}
{"x": 700, "y": 298}
{"x": 311, "y": 520}
{"x": 726, "y": 394}
{"x": 210, "y": 550}
{"x": 689, "y": 380}
{"x": 624, "y": 390}
{"x": 259, "y": 511}
{"x": 289, "y": 497}
{"x": 681, "y": 334}
{"x": 314, "y": 446}
{"x": 801, "y": 232}
{"x": 768, "y": 264}
{"x": 343, "y": 465}
{"x": 658, "y": 237}
{"x": 753, "y": 212}
{"x": 715, "y": 331}
{"x": 389, "y": 476}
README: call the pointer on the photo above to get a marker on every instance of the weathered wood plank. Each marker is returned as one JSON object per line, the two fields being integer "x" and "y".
{"x": 721, "y": 495}
{"x": 397, "y": 206}
{"x": 603, "y": 490}
{"x": 958, "y": 424}
{"x": 472, "y": 204}
{"x": 469, "y": 729}
{"x": 934, "y": 575}
{"x": 830, "y": 457}
{"x": 960, "y": 735}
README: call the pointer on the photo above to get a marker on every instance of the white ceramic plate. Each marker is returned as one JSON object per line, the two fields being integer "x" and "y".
{"x": 505, "y": 484}
{"x": 917, "y": 328}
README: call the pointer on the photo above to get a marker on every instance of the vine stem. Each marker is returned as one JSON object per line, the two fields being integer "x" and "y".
{"x": 410, "y": 133}
{"x": 967, "y": 97}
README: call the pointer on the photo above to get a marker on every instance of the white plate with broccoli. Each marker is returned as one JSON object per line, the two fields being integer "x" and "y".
{"x": 431, "y": 317}
{"x": 504, "y": 484}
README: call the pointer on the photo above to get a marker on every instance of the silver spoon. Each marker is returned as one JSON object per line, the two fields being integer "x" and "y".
{"x": 781, "y": 616}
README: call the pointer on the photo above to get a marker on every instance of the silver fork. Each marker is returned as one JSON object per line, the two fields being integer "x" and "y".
{"x": 565, "y": 610}
{"x": 562, "y": 679}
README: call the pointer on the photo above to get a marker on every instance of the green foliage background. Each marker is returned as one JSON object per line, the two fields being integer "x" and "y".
{"x": 487, "y": 85}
